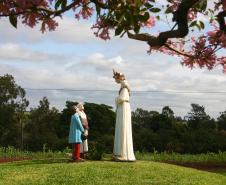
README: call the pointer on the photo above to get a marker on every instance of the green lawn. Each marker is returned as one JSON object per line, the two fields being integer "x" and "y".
{"x": 104, "y": 172}
{"x": 207, "y": 158}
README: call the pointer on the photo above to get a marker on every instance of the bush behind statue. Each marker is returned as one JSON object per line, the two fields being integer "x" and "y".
{"x": 96, "y": 150}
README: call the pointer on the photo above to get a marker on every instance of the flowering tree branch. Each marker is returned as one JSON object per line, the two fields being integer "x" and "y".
{"x": 131, "y": 16}
{"x": 180, "y": 17}
{"x": 39, "y": 9}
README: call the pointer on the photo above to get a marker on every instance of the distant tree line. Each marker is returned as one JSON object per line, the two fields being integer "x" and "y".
{"x": 152, "y": 130}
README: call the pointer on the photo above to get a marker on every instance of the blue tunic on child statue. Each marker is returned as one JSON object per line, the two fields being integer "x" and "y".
{"x": 76, "y": 129}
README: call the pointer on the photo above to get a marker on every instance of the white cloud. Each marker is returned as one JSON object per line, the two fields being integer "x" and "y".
{"x": 11, "y": 51}
{"x": 69, "y": 30}
{"x": 73, "y": 31}
{"x": 94, "y": 72}
{"x": 102, "y": 63}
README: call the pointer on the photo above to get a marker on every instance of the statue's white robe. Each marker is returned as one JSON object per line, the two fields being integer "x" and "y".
{"x": 84, "y": 144}
{"x": 123, "y": 142}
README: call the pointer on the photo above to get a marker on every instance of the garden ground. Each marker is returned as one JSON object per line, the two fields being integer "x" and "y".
{"x": 58, "y": 171}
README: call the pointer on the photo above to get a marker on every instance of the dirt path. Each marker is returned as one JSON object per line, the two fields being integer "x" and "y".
{"x": 12, "y": 159}
{"x": 200, "y": 166}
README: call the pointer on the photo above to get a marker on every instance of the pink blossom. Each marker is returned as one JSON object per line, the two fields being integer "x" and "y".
{"x": 222, "y": 39}
{"x": 84, "y": 1}
{"x": 201, "y": 55}
{"x": 31, "y": 3}
{"x": 211, "y": 33}
{"x": 30, "y": 19}
{"x": 192, "y": 15}
{"x": 77, "y": 16}
{"x": 175, "y": 4}
{"x": 85, "y": 12}
{"x": 150, "y": 22}
{"x": 50, "y": 23}
{"x": 102, "y": 29}
{"x": 222, "y": 61}
{"x": 217, "y": 37}
{"x": 104, "y": 34}
{"x": 193, "y": 39}
{"x": 4, "y": 8}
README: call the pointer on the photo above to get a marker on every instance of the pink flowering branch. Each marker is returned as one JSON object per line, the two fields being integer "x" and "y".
{"x": 177, "y": 51}
{"x": 204, "y": 51}
{"x": 39, "y": 9}
{"x": 130, "y": 16}
{"x": 180, "y": 17}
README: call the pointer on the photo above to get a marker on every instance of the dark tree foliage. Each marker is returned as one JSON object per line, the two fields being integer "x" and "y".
{"x": 42, "y": 127}
{"x": 12, "y": 108}
{"x": 101, "y": 122}
{"x": 64, "y": 124}
{"x": 168, "y": 112}
{"x": 198, "y": 118}
{"x": 164, "y": 132}
{"x": 221, "y": 121}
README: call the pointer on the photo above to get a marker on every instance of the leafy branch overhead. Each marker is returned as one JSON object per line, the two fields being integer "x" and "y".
{"x": 195, "y": 30}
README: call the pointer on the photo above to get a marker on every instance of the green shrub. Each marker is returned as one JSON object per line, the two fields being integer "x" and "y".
{"x": 96, "y": 150}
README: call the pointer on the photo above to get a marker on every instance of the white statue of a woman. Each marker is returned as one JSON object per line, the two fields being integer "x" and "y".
{"x": 123, "y": 142}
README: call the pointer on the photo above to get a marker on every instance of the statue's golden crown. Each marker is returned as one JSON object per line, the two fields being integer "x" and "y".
{"x": 117, "y": 75}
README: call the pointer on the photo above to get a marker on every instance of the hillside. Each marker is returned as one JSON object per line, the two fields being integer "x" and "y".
{"x": 105, "y": 172}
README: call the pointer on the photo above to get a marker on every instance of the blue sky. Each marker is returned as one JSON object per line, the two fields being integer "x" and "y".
{"x": 73, "y": 58}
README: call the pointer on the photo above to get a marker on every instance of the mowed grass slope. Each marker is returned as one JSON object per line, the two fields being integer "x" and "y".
{"x": 104, "y": 172}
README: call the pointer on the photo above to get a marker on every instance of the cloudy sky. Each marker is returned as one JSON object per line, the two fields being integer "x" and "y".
{"x": 72, "y": 64}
